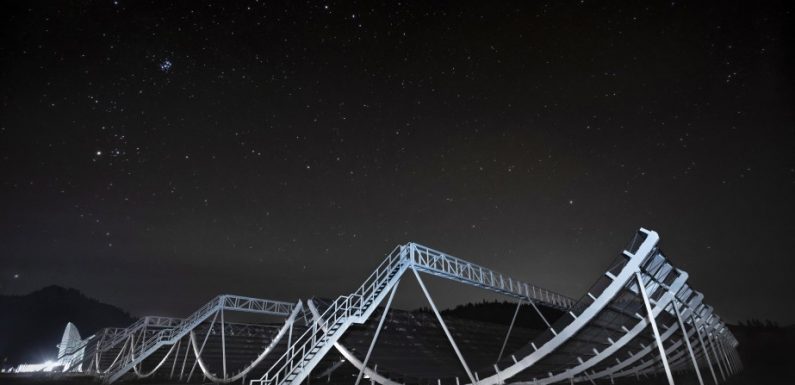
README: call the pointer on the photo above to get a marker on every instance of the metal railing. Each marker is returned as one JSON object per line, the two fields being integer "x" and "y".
{"x": 307, "y": 349}
{"x": 444, "y": 265}
{"x": 334, "y": 320}
{"x": 171, "y": 335}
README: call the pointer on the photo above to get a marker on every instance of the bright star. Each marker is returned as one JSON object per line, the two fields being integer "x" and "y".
{"x": 166, "y": 65}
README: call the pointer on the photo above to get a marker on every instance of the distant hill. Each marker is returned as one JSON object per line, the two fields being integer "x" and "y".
{"x": 502, "y": 313}
{"x": 765, "y": 345}
{"x": 31, "y": 325}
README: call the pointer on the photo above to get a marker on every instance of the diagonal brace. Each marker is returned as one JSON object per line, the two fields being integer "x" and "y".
{"x": 444, "y": 326}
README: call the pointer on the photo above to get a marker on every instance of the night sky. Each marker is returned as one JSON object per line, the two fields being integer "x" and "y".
{"x": 155, "y": 154}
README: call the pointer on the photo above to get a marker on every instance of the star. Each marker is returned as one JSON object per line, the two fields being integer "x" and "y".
{"x": 166, "y": 65}
{"x": 308, "y": 128}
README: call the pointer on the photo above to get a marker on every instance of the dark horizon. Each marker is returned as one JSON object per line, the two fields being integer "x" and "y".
{"x": 156, "y": 154}
{"x": 450, "y": 311}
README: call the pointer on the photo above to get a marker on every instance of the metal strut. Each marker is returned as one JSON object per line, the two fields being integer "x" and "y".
{"x": 711, "y": 340}
{"x": 722, "y": 349}
{"x": 206, "y": 337}
{"x": 243, "y": 372}
{"x": 163, "y": 361}
{"x": 704, "y": 348}
{"x": 653, "y": 323}
{"x": 513, "y": 320}
{"x": 540, "y": 314}
{"x": 377, "y": 331}
{"x": 687, "y": 342}
{"x": 184, "y": 360}
{"x": 223, "y": 343}
{"x": 444, "y": 327}
{"x": 176, "y": 356}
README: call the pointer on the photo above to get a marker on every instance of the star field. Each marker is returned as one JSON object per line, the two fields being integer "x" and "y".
{"x": 157, "y": 153}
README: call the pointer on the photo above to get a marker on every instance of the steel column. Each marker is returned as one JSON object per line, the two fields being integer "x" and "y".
{"x": 711, "y": 340}
{"x": 290, "y": 335}
{"x": 184, "y": 360}
{"x": 176, "y": 355}
{"x": 687, "y": 342}
{"x": 377, "y": 331}
{"x": 653, "y": 322}
{"x": 542, "y": 317}
{"x": 513, "y": 320}
{"x": 223, "y": 343}
{"x": 206, "y": 337}
{"x": 725, "y": 358}
{"x": 444, "y": 327}
{"x": 704, "y": 348}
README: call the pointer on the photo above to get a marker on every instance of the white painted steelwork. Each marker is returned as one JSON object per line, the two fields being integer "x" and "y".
{"x": 643, "y": 262}
{"x": 638, "y": 319}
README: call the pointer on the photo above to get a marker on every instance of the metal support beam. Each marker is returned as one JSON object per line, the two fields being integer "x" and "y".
{"x": 377, "y": 331}
{"x": 542, "y": 317}
{"x": 184, "y": 361}
{"x": 704, "y": 348}
{"x": 290, "y": 335}
{"x": 687, "y": 342}
{"x": 719, "y": 351}
{"x": 653, "y": 323}
{"x": 130, "y": 350}
{"x": 711, "y": 340}
{"x": 209, "y": 330}
{"x": 444, "y": 327}
{"x": 513, "y": 320}
{"x": 722, "y": 349}
{"x": 223, "y": 343}
{"x": 176, "y": 355}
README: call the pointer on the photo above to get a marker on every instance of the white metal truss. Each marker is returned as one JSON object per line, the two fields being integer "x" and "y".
{"x": 643, "y": 262}
{"x": 685, "y": 333}
{"x": 446, "y": 266}
{"x": 170, "y": 333}
{"x": 285, "y": 329}
{"x": 110, "y": 338}
{"x": 624, "y": 363}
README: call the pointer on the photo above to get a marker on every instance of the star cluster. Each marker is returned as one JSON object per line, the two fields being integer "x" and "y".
{"x": 280, "y": 149}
